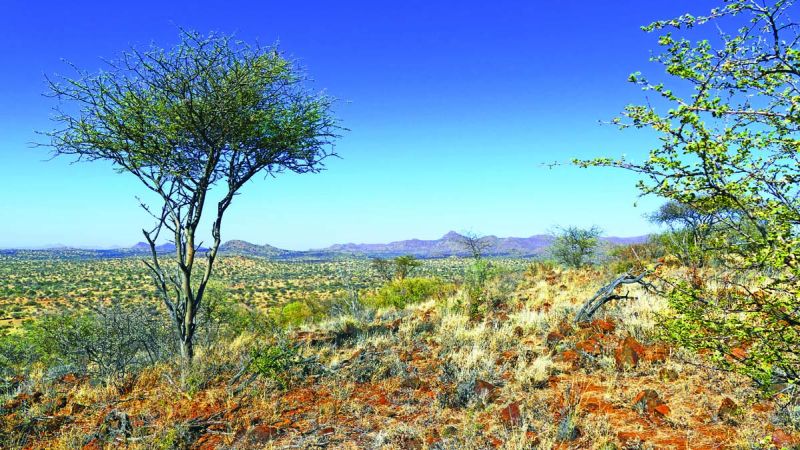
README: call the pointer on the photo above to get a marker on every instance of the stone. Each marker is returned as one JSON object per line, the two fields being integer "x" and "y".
{"x": 510, "y": 415}
{"x": 728, "y": 410}
{"x": 485, "y": 390}
{"x": 604, "y": 326}
{"x": 554, "y": 337}
{"x": 589, "y": 346}
{"x": 782, "y": 439}
{"x": 628, "y": 353}
{"x": 647, "y": 401}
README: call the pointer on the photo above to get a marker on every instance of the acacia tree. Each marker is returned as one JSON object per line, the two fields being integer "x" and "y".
{"x": 404, "y": 265}
{"x": 475, "y": 244}
{"x": 729, "y": 142}
{"x": 211, "y": 111}
{"x": 574, "y": 247}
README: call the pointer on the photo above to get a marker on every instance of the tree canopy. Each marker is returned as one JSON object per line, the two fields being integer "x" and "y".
{"x": 728, "y": 123}
{"x": 210, "y": 111}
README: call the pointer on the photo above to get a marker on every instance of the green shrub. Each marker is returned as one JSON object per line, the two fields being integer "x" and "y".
{"x": 400, "y": 293}
{"x": 274, "y": 361}
{"x": 295, "y": 313}
{"x": 476, "y": 278}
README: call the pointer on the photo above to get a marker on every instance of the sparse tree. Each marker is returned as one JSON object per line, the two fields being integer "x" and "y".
{"x": 211, "y": 111}
{"x": 404, "y": 265}
{"x": 384, "y": 267}
{"x": 574, "y": 247}
{"x": 475, "y": 244}
{"x": 690, "y": 230}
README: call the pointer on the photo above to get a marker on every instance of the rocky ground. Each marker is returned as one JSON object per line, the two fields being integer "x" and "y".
{"x": 522, "y": 375}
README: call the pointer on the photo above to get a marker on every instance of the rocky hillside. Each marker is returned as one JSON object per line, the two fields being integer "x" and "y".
{"x": 521, "y": 375}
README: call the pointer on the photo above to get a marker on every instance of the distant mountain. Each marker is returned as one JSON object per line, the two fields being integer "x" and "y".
{"x": 238, "y": 247}
{"x": 448, "y": 245}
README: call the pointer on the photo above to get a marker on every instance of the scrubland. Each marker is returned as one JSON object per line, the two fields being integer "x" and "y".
{"x": 429, "y": 372}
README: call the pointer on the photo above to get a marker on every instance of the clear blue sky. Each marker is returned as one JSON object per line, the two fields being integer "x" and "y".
{"x": 453, "y": 107}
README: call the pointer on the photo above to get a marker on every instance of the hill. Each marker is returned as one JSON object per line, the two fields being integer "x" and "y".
{"x": 450, "y": 245}
{"x": 447, "y": 245}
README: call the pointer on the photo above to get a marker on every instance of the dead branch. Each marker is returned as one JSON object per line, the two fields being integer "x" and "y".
{"x": 608, "y": 293}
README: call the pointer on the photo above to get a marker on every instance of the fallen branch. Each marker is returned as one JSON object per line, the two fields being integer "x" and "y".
{"x": 608, "y": 293}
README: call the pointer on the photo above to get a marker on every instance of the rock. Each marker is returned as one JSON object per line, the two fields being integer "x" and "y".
{"x": 782, "y": 439}
{"x": 327, "y": 430}
{"x": 485, "y": 391}
{"x": 728, "y": 410}
{"x": 263, "y": 433}
{"x": 554, "y": 337}
{"x": 628, "y": 353}
{"x": 662, "y": 410}
{"x": 510, "y": 415}
{"x": 647, "y": 401}
{"x": 570, "y": 356}
{"x": 604, "y": 326}
{"x": 589, "y": 346}
{"x": 657, "y": 354}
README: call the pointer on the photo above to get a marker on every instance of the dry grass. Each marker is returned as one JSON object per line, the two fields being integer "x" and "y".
{"x": 437, "y": 379}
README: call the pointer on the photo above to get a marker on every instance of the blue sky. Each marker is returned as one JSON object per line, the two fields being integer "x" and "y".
{"x": 453, "y": 108}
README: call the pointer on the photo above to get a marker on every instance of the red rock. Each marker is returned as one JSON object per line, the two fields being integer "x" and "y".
{"x": 327, "y": 430}
{"x": 657, "y": 353}
{"x": 263, "y": 433}
{"x": 647, "y": 401}
{"x": 628, "y": 353}
{"x": 662, "y": 409}
{"x": 739, "y": 353}
{"x": 510, "y": 415}
{"x": 554, "y": 337}
{"x": 604, "y": 326}
{"x": 589, "y": 346}
{"x": 569, "y": 356}
{"x": 782, "y": 439}
{"x": 485, "y": 390}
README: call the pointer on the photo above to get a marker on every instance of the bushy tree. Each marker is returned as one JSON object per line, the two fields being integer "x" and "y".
{"x": 729, "y": 142}
{"x": 209, "y": 112}
{"x": 384, "y": 267}
{"x": 404, "y": 265}
{"x": 575, "y": 247}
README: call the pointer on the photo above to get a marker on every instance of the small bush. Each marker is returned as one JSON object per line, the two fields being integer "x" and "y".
{"x": 109, "y": 342}
{"x": 274, "y": 361}
{"x": 400, "y": 293}
{"x": 295, "y": 313}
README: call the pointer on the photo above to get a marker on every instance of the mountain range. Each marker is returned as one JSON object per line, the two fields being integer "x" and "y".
{"x": 448, "y": 245}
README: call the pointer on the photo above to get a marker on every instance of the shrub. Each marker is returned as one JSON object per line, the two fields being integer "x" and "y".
{"x": 402, "y": 292}
{"x": 273, "y": 361}
{"x": 109, "y": 342}
{"x": 575, "y": 247}
{"x": 294, "y": 313}
{"x": 476, "y": 278}
{"x": 636, "y": 257}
